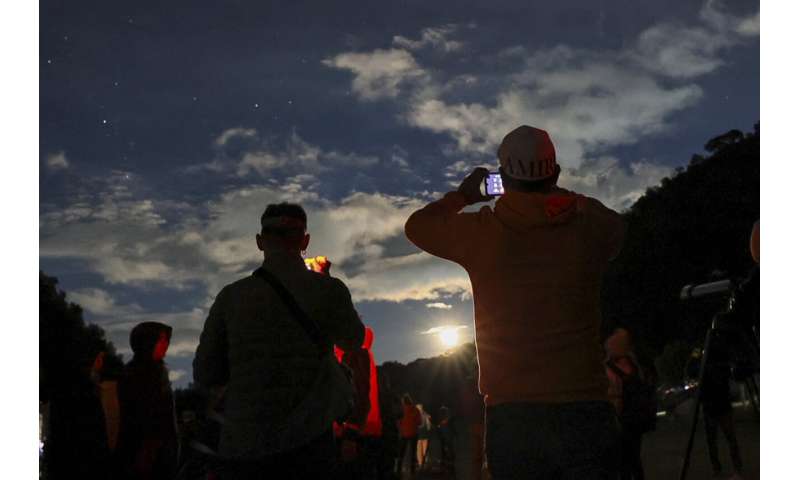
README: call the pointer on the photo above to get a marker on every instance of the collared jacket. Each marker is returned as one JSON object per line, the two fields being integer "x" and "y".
{"x": 536, "y": 263}
{"x": 255, "y": 348}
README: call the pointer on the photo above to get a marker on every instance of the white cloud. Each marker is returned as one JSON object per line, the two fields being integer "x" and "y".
{"x": 589, "y": 100}
{"x": 436, "y": 330}
{"x": 436, "y": 37}
{"x": 230, "y": 133}
{"x": 57, "y": 161}
{"x": 615, "y": 185}
{"x": 381, "y": 73}
{"x": 298, "y": 156}
{"x": 686, "y": 51}
{"x": 214, "y": 243}
{"x": 439, "y": 305}
{"x": 99, "y": 302}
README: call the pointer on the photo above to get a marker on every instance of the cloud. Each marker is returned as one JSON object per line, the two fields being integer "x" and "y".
{"x": 686, "y": 51}
{"x": 130, "y": 241}
{"x": 616, "y": 185}
{"x": 381, "y": 73}
{"x": 57, "y": 161}
{"x": 230, "y": 133}
{"x": 175, "y": 375}
{"x": 590, "y": 100}
{"x": 436, "y": 330}
{"x": 436, "y": 37}
{"x": 439, "y": 305}
{"x": 99, "y": 302}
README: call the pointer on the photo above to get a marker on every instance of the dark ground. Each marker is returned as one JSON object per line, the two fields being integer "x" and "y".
{"x": 662, "y": 450}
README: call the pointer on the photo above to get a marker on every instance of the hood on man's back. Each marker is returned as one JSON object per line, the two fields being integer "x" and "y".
{"x": 144, "y": 337}
{"x": 523, "y": 211}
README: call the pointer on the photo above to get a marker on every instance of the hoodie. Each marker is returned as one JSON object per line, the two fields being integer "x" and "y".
{"x": 147, "y": 407}
{"x": 535, "y": 262}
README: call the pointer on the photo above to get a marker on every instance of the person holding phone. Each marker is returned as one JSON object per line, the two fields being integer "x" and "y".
{"x": 536, "y": 262}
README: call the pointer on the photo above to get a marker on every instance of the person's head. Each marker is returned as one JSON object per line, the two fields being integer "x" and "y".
{"x": 283, "y": 229}
{"x": 149, "y": 341}
{"x": 755, "y": 241}
{"x": 528, "y": 161}
{"x": 619, "y": 343}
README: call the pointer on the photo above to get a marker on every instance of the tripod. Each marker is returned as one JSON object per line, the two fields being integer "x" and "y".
{"x": 718, "y": 326}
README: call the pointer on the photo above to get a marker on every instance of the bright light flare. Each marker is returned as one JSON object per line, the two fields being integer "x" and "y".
{"x": 449, "y": 337}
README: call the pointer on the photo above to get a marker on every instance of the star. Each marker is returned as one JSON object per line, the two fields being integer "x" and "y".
{"x": 255, "y": 105}
{"x": 289, "y": 102}
{"x": 49, "y": 61}
{"x": 194, "y": 99}
{"x": 105, "y": 121}
{"x": 116, "y": 84}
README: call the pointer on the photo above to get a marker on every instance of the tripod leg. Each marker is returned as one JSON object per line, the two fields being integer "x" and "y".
{"x": 688, "y": 454}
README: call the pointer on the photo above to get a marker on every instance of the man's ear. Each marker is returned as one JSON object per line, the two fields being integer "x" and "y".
{"x": 260, "y": 242}
{"x": 306, "y": 240}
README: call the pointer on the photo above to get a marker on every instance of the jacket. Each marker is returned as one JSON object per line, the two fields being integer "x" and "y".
{"x": 252, "y": 345}
{"x": 536, "y": 263}
{"x": 147, "y": 407}
{"x": 410, "y": 422}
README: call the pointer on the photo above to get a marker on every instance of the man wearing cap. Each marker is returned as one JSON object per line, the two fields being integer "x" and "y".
{"x": 257, "y": 351}
{"x": 536, "y": 262}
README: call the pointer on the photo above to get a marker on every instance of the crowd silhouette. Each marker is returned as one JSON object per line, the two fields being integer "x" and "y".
{"x": 289, "y": 382}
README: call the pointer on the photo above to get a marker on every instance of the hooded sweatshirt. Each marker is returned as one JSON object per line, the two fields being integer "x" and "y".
{"x": 147, "y": 407}
{"x": 366, "y": 415}
{"x": 536, "y": 263}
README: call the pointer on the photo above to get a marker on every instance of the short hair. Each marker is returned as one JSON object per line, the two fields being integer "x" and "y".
{"x": 284, "y": 219}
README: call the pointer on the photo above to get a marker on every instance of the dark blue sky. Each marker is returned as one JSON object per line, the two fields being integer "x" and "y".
{"x": 166, "y": 127}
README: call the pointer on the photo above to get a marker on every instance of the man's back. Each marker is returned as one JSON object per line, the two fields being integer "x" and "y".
{"x": 253, "y": 344}
{"x": 536, "y": 264}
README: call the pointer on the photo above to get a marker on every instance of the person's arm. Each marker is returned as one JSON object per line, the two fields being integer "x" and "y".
{"x": 439, "y": 228}
{"x": 210, "y": 363}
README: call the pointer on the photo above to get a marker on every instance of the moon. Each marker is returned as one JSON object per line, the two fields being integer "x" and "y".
{"x": 449, "y": 337}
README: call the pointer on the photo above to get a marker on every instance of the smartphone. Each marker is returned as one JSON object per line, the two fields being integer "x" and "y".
{"x": 494, "y": 184}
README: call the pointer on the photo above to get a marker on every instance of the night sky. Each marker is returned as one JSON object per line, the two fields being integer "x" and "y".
{"x": 165, "y": 131}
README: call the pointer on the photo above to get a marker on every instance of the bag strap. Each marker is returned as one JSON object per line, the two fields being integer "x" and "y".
{"x": 309, "y": 325}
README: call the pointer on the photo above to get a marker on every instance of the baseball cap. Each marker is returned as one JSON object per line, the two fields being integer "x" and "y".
{"x": 527, "y": 153}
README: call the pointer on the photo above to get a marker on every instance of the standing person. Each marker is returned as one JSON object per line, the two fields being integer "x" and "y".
{"x": 365, "y": 424}
{"x": 536, "y": 262}
{"x": 446, "y": 434}
{"x": 77, "y": 442}
{"x": 391, "y": 412}
{"x": 625, "y": 376}
{"x": 148, "y": 437}
{"x": 423, "y": 436}
{"x": 268, "y": 342}
{"x": 409, "y": 430}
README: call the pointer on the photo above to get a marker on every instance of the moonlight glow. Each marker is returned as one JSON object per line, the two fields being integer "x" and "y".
{"x": 449, "y": 337}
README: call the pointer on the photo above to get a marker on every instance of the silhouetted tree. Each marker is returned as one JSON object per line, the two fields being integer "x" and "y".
{"x": 694, "y": 223}
{"x": 65, "y": 340}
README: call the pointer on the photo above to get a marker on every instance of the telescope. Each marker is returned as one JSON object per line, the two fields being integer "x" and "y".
{"x": 705, "y": 289}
